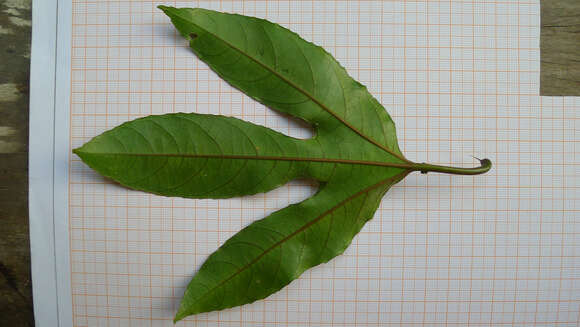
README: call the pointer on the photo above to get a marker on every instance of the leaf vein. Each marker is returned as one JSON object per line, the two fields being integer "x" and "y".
{"x": 305, "y": 226}
{"x": 301, "y": 90}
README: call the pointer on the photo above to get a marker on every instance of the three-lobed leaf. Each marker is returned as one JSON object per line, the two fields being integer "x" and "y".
{"x": 354, "y": 156}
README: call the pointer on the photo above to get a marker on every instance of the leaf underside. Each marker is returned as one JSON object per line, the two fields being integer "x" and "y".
{"x": 354, "y": 156}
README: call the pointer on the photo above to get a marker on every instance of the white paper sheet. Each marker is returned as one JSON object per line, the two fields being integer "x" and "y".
{"x": 460, "y": 78}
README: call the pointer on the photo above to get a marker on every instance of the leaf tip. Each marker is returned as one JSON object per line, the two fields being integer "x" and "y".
{"x": 81, "y": 152}
{"x": 164, "y": 8}
{"x": 168, "y": 10}
{"x": 179, "y": 316}
{"x": 176, "y": 16}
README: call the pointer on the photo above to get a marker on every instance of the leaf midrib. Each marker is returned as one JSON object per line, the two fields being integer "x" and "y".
{"x": 266, "y": 158}
{"x": 298, "y": 88}
{"x": 392, "y": 179}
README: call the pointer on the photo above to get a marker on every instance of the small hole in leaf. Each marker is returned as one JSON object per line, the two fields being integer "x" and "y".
{"x": 192, "y": 35}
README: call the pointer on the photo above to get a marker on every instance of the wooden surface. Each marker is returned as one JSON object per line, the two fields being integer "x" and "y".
{"x": 560, "y": 52}
{"x": 15, "y": 285}
{"x": 560, "y": 47}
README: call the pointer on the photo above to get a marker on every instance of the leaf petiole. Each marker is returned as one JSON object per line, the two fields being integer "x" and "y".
{"x": 485, "y": 166}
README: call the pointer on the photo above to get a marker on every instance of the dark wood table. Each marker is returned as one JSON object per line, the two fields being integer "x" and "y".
{"x": 560, "y": 75}
{"x": 15, "y": 285}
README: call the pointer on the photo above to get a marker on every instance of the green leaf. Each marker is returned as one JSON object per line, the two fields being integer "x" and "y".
{"x": 354, "y": 156}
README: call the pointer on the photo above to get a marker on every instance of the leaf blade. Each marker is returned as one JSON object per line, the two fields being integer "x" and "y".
{"x": 301, "y": 92}
{"x": 243, "y": 269}
{"x": 195, "y": 156}
{"x": 207, "y": 156}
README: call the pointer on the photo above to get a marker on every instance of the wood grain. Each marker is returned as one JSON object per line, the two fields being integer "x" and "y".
{"x": 15, "y": 285}
{"x": 560, "y": 47}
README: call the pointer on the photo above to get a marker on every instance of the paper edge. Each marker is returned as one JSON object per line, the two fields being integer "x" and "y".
{"x": 48, "y": 201}
{"x": 61, "y": 164}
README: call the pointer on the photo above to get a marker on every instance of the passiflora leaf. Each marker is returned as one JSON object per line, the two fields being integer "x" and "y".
{"x": 354, "y": 156}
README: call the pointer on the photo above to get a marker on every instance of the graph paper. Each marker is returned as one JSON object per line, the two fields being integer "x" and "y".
{"x": 459, "y": 78}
